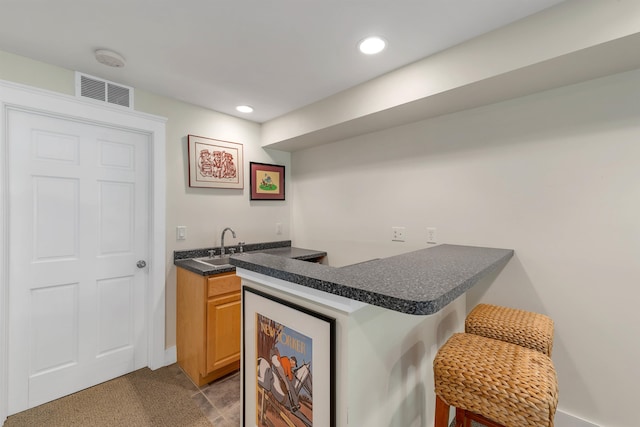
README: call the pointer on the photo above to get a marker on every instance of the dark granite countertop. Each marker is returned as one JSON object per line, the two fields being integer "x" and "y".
{"x": 420, "y": 282}
{"x": 184, "y": 259}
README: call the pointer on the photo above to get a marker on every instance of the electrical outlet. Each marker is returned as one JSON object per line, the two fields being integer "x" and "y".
{"x": 398, "y": 234}
{"x": 278, "y": 228}
{"x": 431, "y": 235}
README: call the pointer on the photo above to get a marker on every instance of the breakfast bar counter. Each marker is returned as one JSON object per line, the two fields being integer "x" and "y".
{"x": 389, "y": 318}
{"x": 419, "y": 282}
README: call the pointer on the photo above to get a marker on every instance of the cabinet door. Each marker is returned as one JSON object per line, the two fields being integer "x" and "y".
{"x": 223, "y": 331}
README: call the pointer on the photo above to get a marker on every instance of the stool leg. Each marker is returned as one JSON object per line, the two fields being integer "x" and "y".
{"x": 461, "y": 418}
{"x": 442, "y": 413}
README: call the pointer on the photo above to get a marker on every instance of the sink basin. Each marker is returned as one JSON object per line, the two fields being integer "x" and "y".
{"x": 213, "y": 262}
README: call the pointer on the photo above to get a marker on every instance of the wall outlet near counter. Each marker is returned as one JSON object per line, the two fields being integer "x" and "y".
{"x": 398, "y": 234}
{"x": 431, "y": 235}
{"x": 278, "y": 228}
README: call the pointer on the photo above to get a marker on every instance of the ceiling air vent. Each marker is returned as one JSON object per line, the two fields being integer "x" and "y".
{"x": 103, "y": 90}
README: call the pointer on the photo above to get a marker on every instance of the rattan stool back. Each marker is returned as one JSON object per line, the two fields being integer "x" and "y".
{"x": 524, "y": 328}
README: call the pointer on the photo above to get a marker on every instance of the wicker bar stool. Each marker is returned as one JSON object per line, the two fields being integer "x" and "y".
{"x": 525, "y": 328}
{"x": 496, "y": 383}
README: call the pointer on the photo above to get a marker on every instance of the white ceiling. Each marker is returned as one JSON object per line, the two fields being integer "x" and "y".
{"x": 276, "y": 55}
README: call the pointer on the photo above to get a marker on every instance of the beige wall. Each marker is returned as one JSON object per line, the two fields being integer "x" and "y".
{"x": 205, "y": 212}
{"x": 23, "y": 70}
{"x": 553, "y": 175}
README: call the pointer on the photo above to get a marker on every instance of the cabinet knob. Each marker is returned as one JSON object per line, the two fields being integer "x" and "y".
{"x": 141, "y": 264}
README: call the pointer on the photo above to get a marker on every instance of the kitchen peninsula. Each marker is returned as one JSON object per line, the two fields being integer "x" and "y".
{"x": 391, "y": 315}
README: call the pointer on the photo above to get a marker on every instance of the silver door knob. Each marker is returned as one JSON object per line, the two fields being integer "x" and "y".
{"x": 141, "y": 264}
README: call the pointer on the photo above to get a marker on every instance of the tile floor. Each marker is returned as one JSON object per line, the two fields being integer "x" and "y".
{"x": 219, "y": 400}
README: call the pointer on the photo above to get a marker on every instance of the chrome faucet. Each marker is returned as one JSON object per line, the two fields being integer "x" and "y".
{"x": 233, "y": 233}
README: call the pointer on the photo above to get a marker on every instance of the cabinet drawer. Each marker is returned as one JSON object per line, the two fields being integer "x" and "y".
{"x": 222, "y": 284}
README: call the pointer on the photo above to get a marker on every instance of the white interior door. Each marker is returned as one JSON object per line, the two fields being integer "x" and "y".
{"x": 78, "y": 215}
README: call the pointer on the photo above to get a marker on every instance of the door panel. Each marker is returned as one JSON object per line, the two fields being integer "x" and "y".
{"x": 115, "y": 314}
{"x": 116, "y": 202}
{"x": 55, "y": 215}
{"x": 54, "y": 328}
{"x": 78, "y": 213}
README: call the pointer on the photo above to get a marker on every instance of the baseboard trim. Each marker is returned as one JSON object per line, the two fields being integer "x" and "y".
{"x": 170, "y": 356}
{"x": 563, "y": 419}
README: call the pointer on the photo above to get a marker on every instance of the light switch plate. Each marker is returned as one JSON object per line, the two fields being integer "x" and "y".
{"x": 181, "y": 232}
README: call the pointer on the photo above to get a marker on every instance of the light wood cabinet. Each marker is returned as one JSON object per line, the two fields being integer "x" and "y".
{"x": 208, "y": 325}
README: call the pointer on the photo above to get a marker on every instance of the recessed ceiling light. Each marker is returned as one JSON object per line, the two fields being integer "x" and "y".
{"x": 372, "y": 45}
{"x": 244, "y": 108}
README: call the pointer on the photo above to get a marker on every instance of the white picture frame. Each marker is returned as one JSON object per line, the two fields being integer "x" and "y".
{"x": 214, "y": 163}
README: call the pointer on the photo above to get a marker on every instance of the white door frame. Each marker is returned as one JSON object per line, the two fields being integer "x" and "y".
{"x": 23, "y": 97}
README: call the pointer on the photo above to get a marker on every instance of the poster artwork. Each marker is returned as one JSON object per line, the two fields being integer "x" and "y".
{"x": 268, "y": 180}
{"x": 284, "y": 375}
{"x": 216, "y": 163}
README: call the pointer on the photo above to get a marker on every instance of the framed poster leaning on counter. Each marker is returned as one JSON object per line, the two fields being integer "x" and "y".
{"x": 289, "y": 363}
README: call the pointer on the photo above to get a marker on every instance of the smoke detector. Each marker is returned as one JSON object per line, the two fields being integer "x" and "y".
{"x": 109, "y": 58}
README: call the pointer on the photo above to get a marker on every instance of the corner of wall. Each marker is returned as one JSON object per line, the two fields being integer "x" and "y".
{"x": 566, "y": 420}
{"x": 170, "y": 356}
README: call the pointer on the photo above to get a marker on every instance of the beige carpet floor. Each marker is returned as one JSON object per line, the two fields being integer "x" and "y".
{"x": 143, "y": 398}
{"x": 139, "y": 399}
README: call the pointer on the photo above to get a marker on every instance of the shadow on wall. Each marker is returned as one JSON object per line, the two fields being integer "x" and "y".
{"x": 446, "y": 327}
{"x": 411, "y": 377}
{"x": 491, "y": 126}
{"x": 407, "y": 372}
{"x": 513, "y": 282}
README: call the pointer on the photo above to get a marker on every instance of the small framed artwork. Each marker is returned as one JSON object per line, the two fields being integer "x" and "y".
{"x": 214, "y": 163}
{"x": 267, "y": 181}
{"x": 288, "y": 363}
